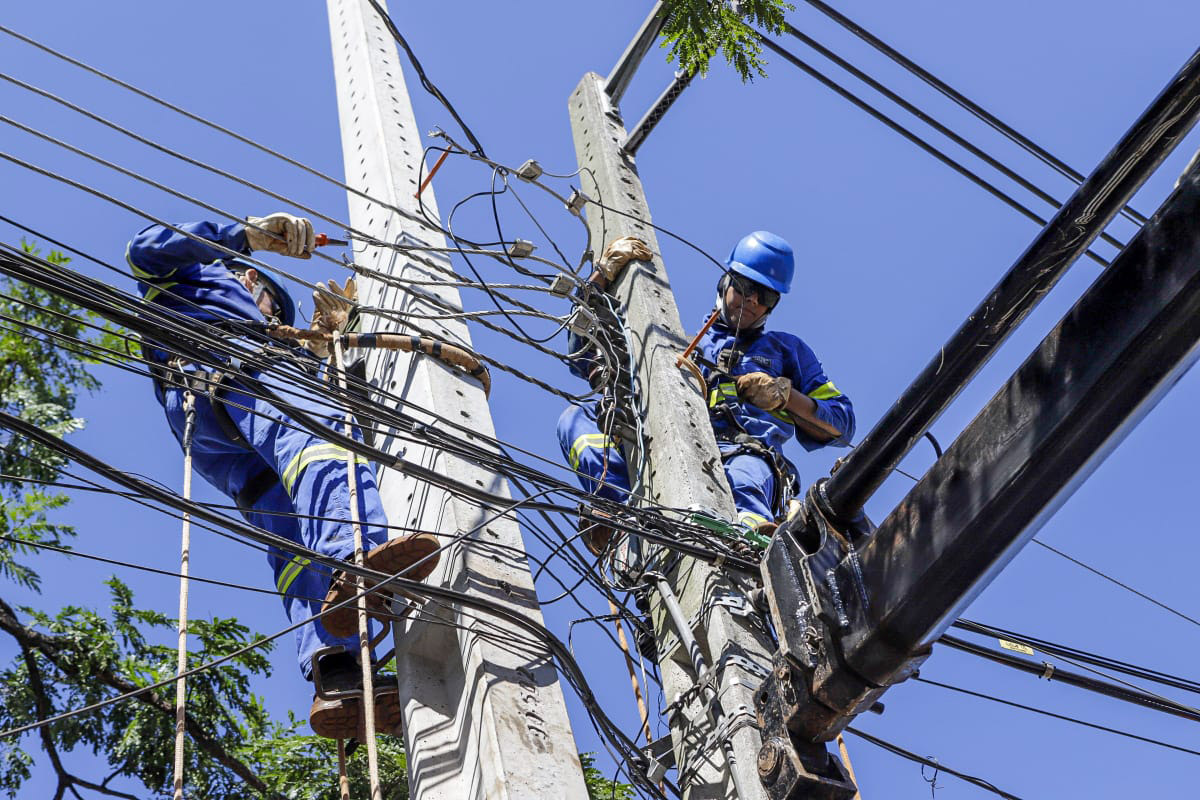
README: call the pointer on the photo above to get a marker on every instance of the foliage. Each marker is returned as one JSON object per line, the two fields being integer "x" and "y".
{"x": 92, "y": 656}
{"x": 44, "y": 364}
{"x": 696, "y": 30}
{"x": 301, "y": 767}
{"x": 600, "y": 787}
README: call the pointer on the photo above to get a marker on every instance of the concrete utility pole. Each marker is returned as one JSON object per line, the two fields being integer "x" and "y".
{"x": 681, "y": 468}
{"x": 483, "y": 716}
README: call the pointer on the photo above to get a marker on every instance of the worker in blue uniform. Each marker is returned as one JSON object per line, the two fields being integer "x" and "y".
{"x": 764, "y": 388}
{"x": 282, "y": 477}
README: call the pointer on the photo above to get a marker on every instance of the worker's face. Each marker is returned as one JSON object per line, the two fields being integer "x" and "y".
{"x": 266, "y": 301}
{"x": 744, "y": 305}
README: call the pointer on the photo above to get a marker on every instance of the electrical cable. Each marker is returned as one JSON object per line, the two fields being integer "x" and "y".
{"x": 963, "y": 101}
{"x": 962, "y": 142}
{"x": 1070, "y": 653}
{"x": 208, "y": 123}
{"x": 425, "y": 82}
{"x": 931, "y": 762}
{"x": 1113, "y": 580}
{"x": 958, "y": 167}
{"x": 1062, "y": 717}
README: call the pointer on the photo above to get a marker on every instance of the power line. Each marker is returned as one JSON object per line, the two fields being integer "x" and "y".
{"x": 1113, "y": 580}
{"x": 1062, "y": 717}
{"x": 929, "y": 120}
{"x": 425, "y": 82}
{"x": 931, "y": 762}
{"x": 958, "y": 167}
{"x": 210, "y": 124}
{"x": 962, "y": 100}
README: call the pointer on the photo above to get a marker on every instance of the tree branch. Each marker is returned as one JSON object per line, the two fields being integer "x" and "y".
{"x": 51, "y": 648}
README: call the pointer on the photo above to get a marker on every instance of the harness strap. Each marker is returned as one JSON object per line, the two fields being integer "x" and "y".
{"x": 255, "y": 488}
{"x": 216, "y": 392}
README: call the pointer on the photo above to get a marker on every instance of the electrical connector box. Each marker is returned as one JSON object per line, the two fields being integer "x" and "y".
{"x": 581, "y": 322}
{"x": 561, "y": 285}
{"x": 530, "y": 170}
{"x": 520, "y": 248}
{"x": 576, "y": 202}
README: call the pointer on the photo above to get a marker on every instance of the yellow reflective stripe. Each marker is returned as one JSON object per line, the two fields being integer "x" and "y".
{"x": 727, "y": 390}
{"x": 826, "y": 391}
{"x": 154, "y": 290}
{"x": 141, "y": 274}
{"x": 309, "y": 455}
{"x": 596, "y": 440}
{"x": 752, "y": 519}
{"x": 783, "y": 416}
{"x": 292, "y": 571}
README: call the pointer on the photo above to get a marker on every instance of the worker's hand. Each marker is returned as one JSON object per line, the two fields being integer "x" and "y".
{"x": 321, "y": 348}
{"x": 766, "y": 392}
{"x": 619, "y": 253}
{"x": 333, "y": 305}
{"x": 292, "y": 236}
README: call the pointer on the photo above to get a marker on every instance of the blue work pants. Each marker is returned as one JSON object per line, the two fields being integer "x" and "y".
{"x": 601, "y": 468}
{"x": 309, "y": 504}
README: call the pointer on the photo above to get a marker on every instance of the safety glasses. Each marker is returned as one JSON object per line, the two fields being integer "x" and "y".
{"x": 748, "y": 288}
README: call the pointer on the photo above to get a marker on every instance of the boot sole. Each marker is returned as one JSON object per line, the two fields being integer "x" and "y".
{"x": 390, "y": 557}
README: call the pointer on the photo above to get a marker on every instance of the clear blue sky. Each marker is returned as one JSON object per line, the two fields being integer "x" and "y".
{"x": 894, "y": 250}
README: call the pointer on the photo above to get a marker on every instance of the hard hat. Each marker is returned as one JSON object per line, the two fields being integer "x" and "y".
{"x": 283, "y": 300}
{"x": 764, "y": 258}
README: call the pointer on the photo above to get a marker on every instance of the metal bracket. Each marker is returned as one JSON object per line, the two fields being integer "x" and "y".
{"x": 661, "y": 757}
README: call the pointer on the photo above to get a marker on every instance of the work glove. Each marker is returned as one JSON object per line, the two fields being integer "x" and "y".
{"x": 619, "y": 253}
{"x": 332, "y": 313}
{"x": 333, "y": 305}
{"x": 762, "y": 390}
{"x": 293, "y": 236}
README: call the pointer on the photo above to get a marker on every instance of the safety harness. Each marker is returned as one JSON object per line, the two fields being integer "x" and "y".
{"x": 211, "y": 382}
{"x": 720, "y": 393}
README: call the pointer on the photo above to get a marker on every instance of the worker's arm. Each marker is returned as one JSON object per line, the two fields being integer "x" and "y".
{"x": 157, "y": 252}
{"x": 803, "y": 411}
{"x": 823, "y": 414}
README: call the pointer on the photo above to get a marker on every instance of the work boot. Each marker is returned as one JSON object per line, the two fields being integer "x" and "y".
{"x": 340, "y": 716}
{"x": 595, "y": 535}
{"x": 393, "y": 556}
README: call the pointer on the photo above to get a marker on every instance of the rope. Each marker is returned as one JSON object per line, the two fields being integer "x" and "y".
{"x": 643, "y": 712}
{"x": 364, "y": 635}
{"x": 189, "y": 429}
{"x": 343, "y": 778}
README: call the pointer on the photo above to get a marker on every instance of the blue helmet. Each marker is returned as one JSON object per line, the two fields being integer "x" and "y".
{"x": 283, "y": 300}
{"x": 764, "y": 258}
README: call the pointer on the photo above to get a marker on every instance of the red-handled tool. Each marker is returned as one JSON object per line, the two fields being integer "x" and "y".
{"x": 322, "y": 240}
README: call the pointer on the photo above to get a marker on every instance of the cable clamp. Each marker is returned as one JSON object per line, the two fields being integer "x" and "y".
{"x": 581, "y": 322}
{"x": 561, "y": 285}
{"x": 1047, "y": 670}
{"x": 520, "y": 248}
{"x": 530, "y": 170}
{"x": 576, "y": 202}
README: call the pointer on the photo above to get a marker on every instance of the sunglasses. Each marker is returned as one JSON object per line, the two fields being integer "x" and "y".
{"x": 748, "y": 288}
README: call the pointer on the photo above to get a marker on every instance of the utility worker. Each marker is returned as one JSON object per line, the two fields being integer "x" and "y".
{"x": 764, "y": 388}
{"x": 282, "y": 477}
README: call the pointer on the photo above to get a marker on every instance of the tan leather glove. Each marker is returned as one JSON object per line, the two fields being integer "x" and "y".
{"x": 293, "y": 236}
{"x": 619, "y": 253}
{"x": 333, "y": 305}
{"x": 766, "y": 392}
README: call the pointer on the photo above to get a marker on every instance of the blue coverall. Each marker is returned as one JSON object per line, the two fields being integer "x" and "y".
{"x": 602, "y": 469}
{"x": 305, "y": 475}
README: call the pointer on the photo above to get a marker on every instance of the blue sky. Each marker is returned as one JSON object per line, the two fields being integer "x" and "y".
{"x": 894, "y": 249}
